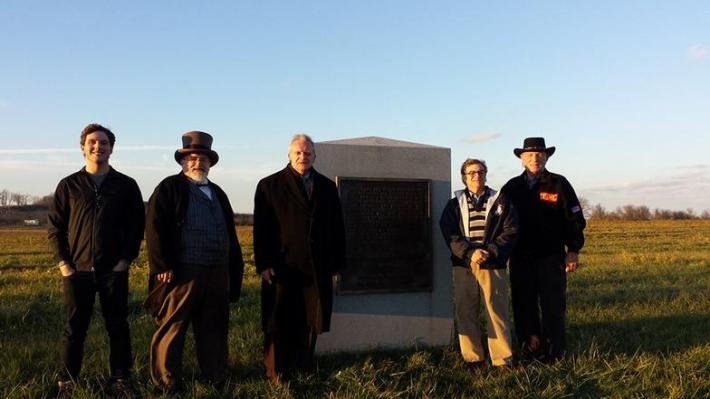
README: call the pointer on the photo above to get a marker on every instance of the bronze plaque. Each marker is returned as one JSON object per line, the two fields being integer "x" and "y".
{"x": 388, "y": 235}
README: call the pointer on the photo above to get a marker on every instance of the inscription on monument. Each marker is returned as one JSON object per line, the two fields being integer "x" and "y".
{"x": 388, "y": 233}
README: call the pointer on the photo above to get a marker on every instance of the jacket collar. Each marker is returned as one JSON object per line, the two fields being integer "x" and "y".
{"x": 543, "y": 178}
{"x": 294, "y": 185}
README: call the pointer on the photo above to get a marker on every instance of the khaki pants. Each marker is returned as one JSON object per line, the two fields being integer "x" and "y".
{"x": 491, "y": 285}
{"x": 200, "y": 296}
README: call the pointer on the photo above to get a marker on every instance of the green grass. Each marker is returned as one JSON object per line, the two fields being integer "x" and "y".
{"x": 638, "y": 326}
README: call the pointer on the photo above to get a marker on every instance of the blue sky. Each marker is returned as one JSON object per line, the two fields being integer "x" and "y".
{"x": 621, "y": 88}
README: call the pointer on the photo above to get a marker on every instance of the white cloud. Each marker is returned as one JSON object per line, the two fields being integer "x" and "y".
{"x": 694, "y": 180}
{"x": 481, "y": 137}
{"x": 4, "y": 104}
{"x": 699, "y": 52}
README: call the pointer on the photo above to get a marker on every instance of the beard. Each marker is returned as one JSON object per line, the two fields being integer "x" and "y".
{"x": 198, "y": 176}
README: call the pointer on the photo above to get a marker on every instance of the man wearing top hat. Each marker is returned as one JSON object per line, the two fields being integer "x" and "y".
{"x": 550, "y": 237}
{"x": 196, "y": 266}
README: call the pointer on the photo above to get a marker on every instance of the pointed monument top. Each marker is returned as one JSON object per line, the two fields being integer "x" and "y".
{"x": 377, "y": 141}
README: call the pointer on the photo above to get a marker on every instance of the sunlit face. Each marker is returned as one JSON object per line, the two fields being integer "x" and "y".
{"x": 301, "y": 156}
{"x": 196, "y": 167}
{"x": 97, "y": 148}
{"x": 475, "y": 177}
{"x": 534, "y": 161}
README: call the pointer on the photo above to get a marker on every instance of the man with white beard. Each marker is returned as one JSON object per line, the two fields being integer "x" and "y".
{"x": 196, "y": 266}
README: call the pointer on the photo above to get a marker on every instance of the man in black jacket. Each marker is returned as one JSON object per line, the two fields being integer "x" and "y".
{"x": 96, "y": 222}
{"x": 480, "y": 226}
{"x": 551, "y": 236}
{"x": 196, "y": 266}
{"x": 299, "y": 244}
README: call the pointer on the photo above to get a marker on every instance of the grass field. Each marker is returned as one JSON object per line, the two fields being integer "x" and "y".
{"x": 638, "y": 327}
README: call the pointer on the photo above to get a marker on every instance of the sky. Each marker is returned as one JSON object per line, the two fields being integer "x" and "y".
{"x": 620, "y": 88}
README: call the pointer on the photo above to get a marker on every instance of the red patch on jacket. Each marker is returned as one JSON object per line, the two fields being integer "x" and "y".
{"x": 548, "y": 197}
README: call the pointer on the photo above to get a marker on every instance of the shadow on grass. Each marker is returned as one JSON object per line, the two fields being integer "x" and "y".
{"x": 27, "y": 253}
{"x": 664, "y": 335}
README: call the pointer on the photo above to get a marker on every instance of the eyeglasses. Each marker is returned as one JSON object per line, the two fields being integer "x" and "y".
{"x": 475, "y": 172}
{"x": 197, "y": 159}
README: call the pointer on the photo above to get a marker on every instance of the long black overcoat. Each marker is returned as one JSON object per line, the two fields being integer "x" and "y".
{"x": 302, "y": 239}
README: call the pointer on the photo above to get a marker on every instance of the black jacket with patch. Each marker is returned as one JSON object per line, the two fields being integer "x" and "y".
{"x": 550, "y": 215}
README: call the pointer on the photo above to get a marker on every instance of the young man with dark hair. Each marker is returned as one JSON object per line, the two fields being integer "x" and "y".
{"x": 96, "y": 222}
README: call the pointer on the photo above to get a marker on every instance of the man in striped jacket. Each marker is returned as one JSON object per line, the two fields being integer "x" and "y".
{"x": 480, "y": 227}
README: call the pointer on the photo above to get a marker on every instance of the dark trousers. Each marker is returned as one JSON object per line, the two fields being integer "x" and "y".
{"x": 200, "y": 296}
{"x": 539, "y": 288}
{"x": 290, "y": 343}
{"x": 79, "y": 295}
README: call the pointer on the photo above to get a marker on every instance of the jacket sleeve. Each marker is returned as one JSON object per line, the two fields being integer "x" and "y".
{"x": 267, "y": 248}
{"x": 58, "y": 221}
{"x": 450, "y": 226}
{"x": 338, "y": 235}
{"x": 503, "y": 244}
{"x": 236, "y": 260}
{"x": 135, "y": 216}
{"x": 160, "y": 224}
{"x": 573, "y": 218}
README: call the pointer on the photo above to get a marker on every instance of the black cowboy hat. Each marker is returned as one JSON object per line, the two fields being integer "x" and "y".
{"x": 197, "y": 142}
{"x": 536, "y": 144}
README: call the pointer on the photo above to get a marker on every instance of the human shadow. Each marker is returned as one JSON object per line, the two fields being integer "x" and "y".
{"x": 663, "y": 334}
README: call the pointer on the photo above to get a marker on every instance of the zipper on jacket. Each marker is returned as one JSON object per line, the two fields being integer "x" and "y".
{"x": 95, "y": 207}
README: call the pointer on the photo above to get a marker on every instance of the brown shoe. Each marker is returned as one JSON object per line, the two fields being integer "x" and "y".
{"x": 503, "y": 368}
{"x": 472, "y": 366}
{"x": 532, "y": 348}
{"x": 66, "y": 389}
{"x": 121, "y": 388}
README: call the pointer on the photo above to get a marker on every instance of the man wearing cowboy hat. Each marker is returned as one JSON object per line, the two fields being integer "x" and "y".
{"x": 550, "y": 238}
{"x": 196, "y": 265}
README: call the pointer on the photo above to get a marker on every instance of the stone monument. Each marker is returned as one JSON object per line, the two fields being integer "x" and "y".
{"x": 397, "y": 289}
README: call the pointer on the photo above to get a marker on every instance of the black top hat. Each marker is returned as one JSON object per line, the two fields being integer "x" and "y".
{"x": 197, "y": 142}
{"x": 536, "y": 144}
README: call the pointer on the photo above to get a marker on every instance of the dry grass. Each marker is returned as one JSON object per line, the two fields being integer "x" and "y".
{"x": 638, "y": 316}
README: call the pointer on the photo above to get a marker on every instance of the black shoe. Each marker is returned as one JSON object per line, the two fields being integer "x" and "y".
{"x": 552, "y": 359}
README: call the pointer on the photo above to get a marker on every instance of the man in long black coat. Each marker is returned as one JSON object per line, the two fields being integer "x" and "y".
{"x": 299, "y": 245}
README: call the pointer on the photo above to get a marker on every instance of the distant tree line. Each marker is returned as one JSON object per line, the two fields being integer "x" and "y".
{"x": 17, "y": 207}
{"x": 8, "y": 198}
{"x": 638, "y": 212}
{"x": 30, "y": 203}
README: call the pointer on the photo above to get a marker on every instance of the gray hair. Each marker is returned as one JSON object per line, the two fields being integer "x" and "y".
{"x": 302, "y": 137}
